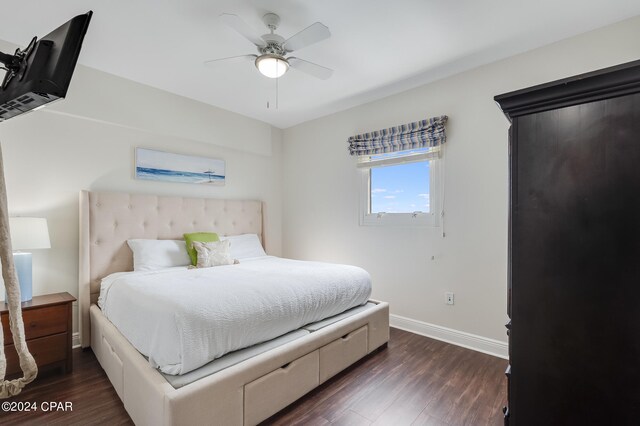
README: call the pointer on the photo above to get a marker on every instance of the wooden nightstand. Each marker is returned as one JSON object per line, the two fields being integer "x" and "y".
{"x": 47, "y": 326}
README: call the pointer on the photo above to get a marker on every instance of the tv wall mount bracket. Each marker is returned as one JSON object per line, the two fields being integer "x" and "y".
{"x": 15, "y": 65}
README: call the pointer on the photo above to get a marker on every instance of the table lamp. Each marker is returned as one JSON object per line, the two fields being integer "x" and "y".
{"x": 27, "y": 233}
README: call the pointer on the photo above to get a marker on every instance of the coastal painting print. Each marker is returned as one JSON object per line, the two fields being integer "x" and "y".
{"x": 165, "y": 166}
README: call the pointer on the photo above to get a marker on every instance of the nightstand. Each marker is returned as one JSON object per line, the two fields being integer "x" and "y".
{"x": 47, "y": 327}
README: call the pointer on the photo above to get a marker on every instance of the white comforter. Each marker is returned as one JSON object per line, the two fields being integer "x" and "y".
{"x": 183, "y": 318}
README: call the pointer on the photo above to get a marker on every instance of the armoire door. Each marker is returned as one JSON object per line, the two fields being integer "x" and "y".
{"x": 575, "y": 271}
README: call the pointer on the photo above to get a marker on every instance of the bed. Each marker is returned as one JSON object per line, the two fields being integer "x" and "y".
{"x": 244, "y": 387}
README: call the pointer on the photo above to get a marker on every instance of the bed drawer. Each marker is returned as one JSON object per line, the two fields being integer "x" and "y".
{"x": 341, "y": 353}
{"x": 113, "y": 366}
{"x": 271, "y": 393}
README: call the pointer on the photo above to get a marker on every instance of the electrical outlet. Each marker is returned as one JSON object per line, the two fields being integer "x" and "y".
{"x": 448, "y": 296}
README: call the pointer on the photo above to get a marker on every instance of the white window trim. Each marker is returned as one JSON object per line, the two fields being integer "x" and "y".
{"x": 368, "y": 162}
{"x": 431, "y": 219}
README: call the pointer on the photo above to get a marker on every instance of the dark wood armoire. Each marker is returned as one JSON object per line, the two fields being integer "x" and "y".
{"x": 574, "y": 250}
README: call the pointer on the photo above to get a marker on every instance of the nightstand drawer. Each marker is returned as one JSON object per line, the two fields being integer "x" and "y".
{"x": 45, "y": 350}
{"x": 39, "y": 322}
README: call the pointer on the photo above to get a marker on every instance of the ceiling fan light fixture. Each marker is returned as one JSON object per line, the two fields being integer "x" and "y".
{"x": 272, "y": 66}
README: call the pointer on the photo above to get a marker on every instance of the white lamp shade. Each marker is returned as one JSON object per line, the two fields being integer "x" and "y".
{"x": 272, "y": 66}
{"x": 29, "y": 233}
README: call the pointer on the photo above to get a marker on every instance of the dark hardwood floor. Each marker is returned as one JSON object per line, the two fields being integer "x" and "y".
{"x": 415, "y": 381}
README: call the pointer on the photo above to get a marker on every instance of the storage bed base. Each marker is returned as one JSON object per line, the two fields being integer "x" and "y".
{"x": 243, "y": 394}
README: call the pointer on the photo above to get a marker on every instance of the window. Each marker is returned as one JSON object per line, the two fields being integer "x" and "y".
{"x": 401, "y": 188}
{"x": 401, "y": 173}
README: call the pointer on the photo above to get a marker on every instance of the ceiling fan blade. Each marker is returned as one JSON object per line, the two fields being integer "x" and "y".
{"x": 310, "y": 35}
{"x": 242, "y": 28}
{"x": 214, "y": 62}
{"x": 323, "y": 73}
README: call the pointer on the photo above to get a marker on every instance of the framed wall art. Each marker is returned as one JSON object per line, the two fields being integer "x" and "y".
{"x": 170, "y": 167}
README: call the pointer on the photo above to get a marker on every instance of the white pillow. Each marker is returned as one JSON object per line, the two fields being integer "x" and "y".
{"x": 215, "y": 253}
{"x": 245, "y": 246}
{"x": 151, "y": 255}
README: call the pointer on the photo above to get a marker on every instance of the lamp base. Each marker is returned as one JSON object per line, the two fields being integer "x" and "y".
{"x": 24, "y": 271}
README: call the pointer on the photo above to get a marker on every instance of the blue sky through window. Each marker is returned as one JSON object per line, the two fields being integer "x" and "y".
{"x": 403, "y": 188}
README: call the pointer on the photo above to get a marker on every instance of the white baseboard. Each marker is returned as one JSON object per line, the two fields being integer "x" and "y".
{"x": 75, "y": 340}
{"x": 449, "y": 335}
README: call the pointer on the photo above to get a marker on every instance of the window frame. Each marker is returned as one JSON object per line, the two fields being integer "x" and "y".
{"x": 431, "y": 219}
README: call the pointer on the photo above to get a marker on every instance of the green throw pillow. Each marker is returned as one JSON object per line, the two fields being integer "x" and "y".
{"x": 203, "y": 237}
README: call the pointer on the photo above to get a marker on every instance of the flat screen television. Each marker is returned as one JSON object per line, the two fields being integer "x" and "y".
{"x": 41, "y": 73}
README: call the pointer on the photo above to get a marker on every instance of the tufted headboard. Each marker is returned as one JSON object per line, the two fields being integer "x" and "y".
{"x": 109, "y": 219}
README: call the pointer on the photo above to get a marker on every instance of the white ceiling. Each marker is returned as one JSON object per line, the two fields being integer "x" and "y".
{"x": 377, "y": 47}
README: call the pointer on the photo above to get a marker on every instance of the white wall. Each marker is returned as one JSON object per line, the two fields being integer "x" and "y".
{"x": 321, "y": 186}
{"x": 87, "y": 142}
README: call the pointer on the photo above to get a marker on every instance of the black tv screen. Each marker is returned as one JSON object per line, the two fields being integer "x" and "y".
{"x": 42, "y": 72}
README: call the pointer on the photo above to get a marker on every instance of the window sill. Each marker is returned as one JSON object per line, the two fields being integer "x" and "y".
{"x": 421, "y": 220}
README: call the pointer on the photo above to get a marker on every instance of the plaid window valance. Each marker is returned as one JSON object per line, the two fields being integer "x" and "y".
{"x": 420, "y": 134}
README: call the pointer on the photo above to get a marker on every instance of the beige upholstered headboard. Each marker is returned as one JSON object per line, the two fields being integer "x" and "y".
{"x": 109, "y": 219}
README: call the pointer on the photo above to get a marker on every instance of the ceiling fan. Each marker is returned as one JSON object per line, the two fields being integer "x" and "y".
{"x": 271, "y": 59}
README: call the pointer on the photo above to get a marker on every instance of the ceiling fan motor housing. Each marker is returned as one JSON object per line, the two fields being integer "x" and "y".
{"x": 272, "y": 48}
